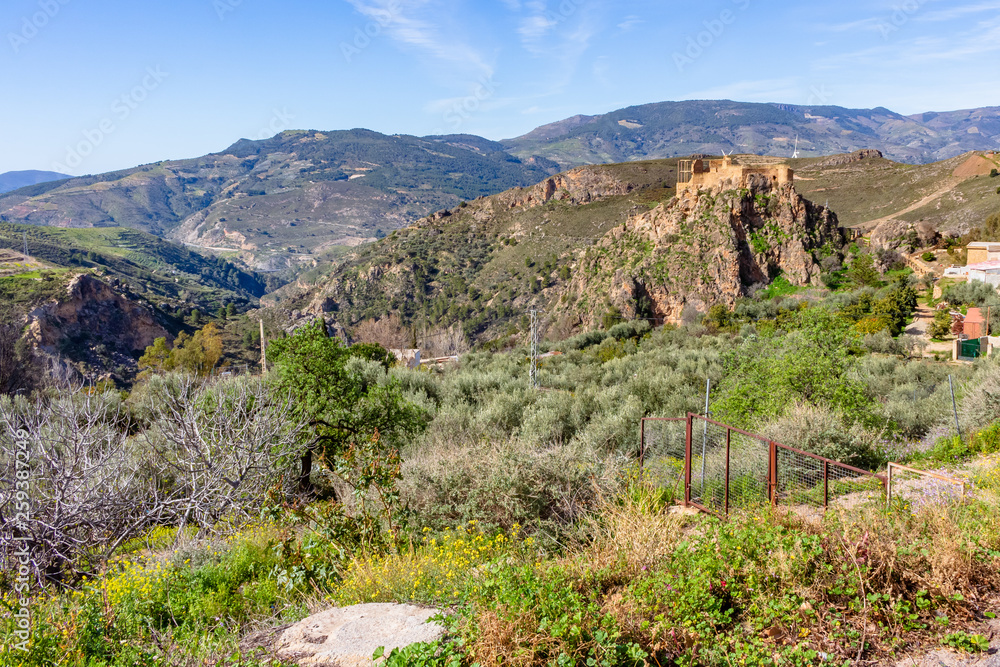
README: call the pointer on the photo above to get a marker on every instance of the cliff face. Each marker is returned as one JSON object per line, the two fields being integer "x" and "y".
{"x": 94, "y": 325}
{"x": 576, "y": 246}
{"x": 702, "y": 248}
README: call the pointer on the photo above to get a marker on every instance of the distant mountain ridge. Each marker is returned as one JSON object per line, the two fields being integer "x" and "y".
{"x": 12, "y": 180}
{"x": 280, "y": 200}
{"x": 302, "y": 196}
{"x": 671, "y": 129}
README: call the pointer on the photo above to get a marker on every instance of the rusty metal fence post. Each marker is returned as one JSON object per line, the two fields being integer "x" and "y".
{"x": 826, "y": 484}
{"x": 687, "y": 460}
{"x": 772, "y": 482}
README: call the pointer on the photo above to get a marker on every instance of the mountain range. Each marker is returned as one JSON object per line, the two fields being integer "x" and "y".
{"x": 671, "y": 129}
{"x": 12, "y": 180}
{"x": 303, "y": 196}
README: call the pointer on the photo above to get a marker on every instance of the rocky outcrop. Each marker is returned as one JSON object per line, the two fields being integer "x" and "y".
{"x": 348, "y": 636}
{"x": 703, "y": 248}
{"x": 583, "y": 185}
{"x": 849, "y": 158}
{"x": 93, "y": 321}
{"x": 892, "y": 234}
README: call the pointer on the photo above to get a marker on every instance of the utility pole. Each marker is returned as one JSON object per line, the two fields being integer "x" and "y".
{"x": 954, "y": 407}
{"x": 25, "y": 243}
{"x": 533, "y": 373}
{"x": 263, "y": 347}
{"x": 704, "y": 435}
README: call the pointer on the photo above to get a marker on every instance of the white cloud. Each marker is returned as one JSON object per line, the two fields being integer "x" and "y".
{"x": 630, "y": 22}
{"x": 905, "y": 51}
{"x": 534, "y": 28}
{"x": 411, "y": 23}
{"x": 959, "y": 12}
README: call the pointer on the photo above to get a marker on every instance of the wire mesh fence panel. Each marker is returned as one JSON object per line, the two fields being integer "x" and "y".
{"x": 848, "y": 487}
{"x": 800, "y": 479}
{"x": 920, "y": 488}
{"x": 662, "y": 452}
{"x": 726, "y": 468}
{"x": 709, "y": 465}
{"x": 748, "y": 471}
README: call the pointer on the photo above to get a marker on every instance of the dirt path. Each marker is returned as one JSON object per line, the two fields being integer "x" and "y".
{"x": 937, "y": 194}
{"x": 921, "y": 325}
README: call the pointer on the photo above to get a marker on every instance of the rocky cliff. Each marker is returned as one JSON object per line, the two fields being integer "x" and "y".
{"x": 578, "y": 245}
{"x": 95, "y": 326}
{"x": 702, "y": 248}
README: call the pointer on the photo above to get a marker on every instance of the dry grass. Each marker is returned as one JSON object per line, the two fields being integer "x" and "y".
{"x": 630, "y": 534}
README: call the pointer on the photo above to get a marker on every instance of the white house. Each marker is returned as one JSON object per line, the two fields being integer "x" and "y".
{"x": 985, "y": 272}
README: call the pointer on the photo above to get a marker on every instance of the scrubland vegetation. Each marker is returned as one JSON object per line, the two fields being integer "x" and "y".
{"x": 170, "y": 523}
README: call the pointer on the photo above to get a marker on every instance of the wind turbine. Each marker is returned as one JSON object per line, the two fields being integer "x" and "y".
{"x": 795, "y": 153}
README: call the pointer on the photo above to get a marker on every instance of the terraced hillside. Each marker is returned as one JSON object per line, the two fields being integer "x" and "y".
{"x": 168, "y": 275}
{"x": 864, "y": 189}
{"x": 278, "y": 201}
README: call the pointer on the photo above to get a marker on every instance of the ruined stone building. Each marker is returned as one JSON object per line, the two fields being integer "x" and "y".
{"x": 729, "y": 172}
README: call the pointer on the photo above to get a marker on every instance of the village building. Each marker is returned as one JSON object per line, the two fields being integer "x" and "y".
{"x": 983, "y": 251}
{"x": 409, "y": 358}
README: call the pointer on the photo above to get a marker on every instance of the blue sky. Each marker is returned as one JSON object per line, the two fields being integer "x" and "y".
{"x": 93, "y": 85}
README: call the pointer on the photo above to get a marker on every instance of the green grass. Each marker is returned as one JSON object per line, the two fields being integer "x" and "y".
{"x": 780, "y": 287}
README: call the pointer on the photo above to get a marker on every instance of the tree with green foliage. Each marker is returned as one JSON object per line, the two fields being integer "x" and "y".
{"x": 197, "y": 354}
{"x": 766, "y": 376}
{"x": 345, "y": 396}
{"x": 718, "y": 318}
{"x": 863, "y": 272}
{"x": 895, "y": 309}
{"x": 941, "y": 326}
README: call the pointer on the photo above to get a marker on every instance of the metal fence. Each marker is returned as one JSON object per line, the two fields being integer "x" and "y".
{"x": 662, "y": 446}
{"x": 724, "y": 467}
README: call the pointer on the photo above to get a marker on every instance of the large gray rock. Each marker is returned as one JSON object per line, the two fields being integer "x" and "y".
{"x": 348, "y": 636}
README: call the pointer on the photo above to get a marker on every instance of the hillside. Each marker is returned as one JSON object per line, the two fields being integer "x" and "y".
{"x": 951, "y": 195}
{"x": 277, "y": 201}
{"x": 300, "y": 198}
{"x": 12, "y": 180}
{"x": 577, "y": 246}
{"x": 671, "y": 129}
{"x": 144, "y": 266}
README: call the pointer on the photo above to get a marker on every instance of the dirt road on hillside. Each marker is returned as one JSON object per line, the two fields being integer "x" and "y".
{"x": 937, "y": 194}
